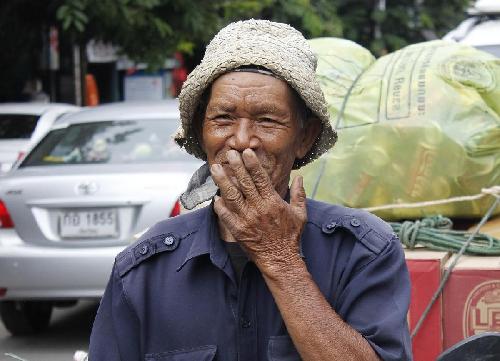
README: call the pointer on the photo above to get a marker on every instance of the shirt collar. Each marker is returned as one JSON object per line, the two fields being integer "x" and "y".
{"x": 207, "y": 240}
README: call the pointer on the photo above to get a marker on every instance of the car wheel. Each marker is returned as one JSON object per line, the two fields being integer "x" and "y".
{"x": 25, "y": 317}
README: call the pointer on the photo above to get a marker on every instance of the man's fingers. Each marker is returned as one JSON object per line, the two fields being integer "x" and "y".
{"x": 247, "y": 186}
{"x": 258, "y": 174}
{"x": 234, "y": 199}
{"x": 225, "y": 215}
{"x": 298, "y": 196}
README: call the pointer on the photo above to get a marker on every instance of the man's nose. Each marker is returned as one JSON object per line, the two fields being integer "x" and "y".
{"x": 243, "y": 136}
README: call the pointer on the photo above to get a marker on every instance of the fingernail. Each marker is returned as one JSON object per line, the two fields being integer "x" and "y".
{"x": 301, "y": 181}
{"x": 216, "y": 197}
{"x": 247, "y": 153}
{"x": 216, "y": 168}
{"x": 231, "y": 155}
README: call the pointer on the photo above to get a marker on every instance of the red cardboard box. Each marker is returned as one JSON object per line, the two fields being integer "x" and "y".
{"x": 471, "y": 298}
{"x": 492, "y": 227}
{"x": 425, "y": 273}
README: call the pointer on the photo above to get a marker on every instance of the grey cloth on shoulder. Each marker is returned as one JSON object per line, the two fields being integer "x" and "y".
{"x": 201, "y": 188}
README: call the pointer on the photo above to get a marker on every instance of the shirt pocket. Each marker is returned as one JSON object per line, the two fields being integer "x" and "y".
{"x": 281, "y": 348}
{"x": 202, "y": 353}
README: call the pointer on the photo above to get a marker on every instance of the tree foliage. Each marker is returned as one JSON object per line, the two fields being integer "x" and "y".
{"x": 149, "y": 30}
{"x": 313, "y": 17}
{"x": 400, "y": 23}
{"x": 145, "y": 30}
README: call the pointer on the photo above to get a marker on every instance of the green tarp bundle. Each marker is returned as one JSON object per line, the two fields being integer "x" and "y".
{"x": 419, "y": 124}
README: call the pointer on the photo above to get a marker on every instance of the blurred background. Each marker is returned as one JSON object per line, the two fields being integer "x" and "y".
{"x": 87, "y": 163}
{"x": 89, "y": 51}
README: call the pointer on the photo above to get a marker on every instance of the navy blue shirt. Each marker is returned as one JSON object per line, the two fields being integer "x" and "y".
{"x": 173, "y": 294}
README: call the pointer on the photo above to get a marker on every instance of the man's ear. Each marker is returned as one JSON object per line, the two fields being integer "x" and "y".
{"x": 310, "y": 131}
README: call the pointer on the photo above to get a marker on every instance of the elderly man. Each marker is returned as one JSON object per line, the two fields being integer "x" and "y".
{"x": 262, "y": 273}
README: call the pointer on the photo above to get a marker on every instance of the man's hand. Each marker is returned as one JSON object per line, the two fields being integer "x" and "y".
{"x": 259, "y": 219}
{"x": 269, "y": 229}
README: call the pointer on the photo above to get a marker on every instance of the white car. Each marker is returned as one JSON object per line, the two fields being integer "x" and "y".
{"x": 481, "y": 29}
{"x": 22, "y": 125}
{"x": 77, "y": 198}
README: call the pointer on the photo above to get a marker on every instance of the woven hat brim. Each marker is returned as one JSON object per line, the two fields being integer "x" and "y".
{"x": 290, "y": 59}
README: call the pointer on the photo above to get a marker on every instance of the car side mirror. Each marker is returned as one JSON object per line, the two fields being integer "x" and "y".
{"x": 482, "y": 347}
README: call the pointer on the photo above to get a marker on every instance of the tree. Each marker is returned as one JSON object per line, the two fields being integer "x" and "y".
{"x": 145, "y": 30}
{"x": 399, "y": 22}
{"x": 314, "y": 18}
{"x": 151, "y": 30}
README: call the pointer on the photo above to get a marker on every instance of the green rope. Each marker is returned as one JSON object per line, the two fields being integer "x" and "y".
{"x": 454, "y": 262}
{"x": 436, "y": 233}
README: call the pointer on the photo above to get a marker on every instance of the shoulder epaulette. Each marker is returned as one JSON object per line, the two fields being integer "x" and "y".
{"x": 165, "y": 236}
{"x": 145, "y": 249}
{"x": 371, "y": 231}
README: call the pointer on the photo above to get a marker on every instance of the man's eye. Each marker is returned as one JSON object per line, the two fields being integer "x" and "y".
{"x": 223, "y": 116}
{"x": 266, "y": 120}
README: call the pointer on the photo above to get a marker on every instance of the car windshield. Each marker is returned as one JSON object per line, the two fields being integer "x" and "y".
{"x": 492, "y": 49}
{"x": 17, "y": 126}
{"x": 109, "y": 142}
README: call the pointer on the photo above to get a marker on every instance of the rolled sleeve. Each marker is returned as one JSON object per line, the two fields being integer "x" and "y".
{"x": 115, "y": 333}
{"x": 375, "y": 302}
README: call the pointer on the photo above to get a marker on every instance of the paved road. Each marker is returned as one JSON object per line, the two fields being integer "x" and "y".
{"x": 69, "y": 331}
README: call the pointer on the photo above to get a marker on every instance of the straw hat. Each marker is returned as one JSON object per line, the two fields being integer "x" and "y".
{"x": 276, "y": 47}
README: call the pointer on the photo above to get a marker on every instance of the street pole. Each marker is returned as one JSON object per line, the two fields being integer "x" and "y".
{"x": 77, "y": 72}
{"x": 381, "y": 6}
{"x": 53, "y": 60}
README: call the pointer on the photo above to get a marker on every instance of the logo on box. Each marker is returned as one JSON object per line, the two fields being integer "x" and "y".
{"x": 482, "y": 309}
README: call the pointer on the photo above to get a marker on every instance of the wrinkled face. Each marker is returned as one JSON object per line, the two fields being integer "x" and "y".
{"x": 260, "y": 112}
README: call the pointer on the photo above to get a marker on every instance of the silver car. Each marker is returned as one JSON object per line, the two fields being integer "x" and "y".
{"x": 97, "y": 178}
{"x": 23, "y": 124}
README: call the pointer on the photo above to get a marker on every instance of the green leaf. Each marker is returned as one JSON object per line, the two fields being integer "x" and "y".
{"x": 313, "y": 24}
{"x": 62, "y": 12}
{"x": 66, "y": 23}
{"x": 379, "y": 16}
{"x": 186, "y": 47}
{"x": 426, "y": 21}
{"x": 78, "y": 4}
{"x": 79, "y": 26}
{"x": 79, "y": 15}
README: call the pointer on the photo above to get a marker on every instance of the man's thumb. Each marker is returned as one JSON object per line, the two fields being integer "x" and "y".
{"x": 298, "y": 194}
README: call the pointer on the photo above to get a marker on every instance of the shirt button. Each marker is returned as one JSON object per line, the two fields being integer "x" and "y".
{"x": 144, "y": 250}
{"x": 331, "y": 226}
{"x": 355, "y": 222}
{"x": 169, "y": 240}
{"x": 245, "y": 323}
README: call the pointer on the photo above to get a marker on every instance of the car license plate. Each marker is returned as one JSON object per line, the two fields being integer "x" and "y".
{"x": 95, "y": 223}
